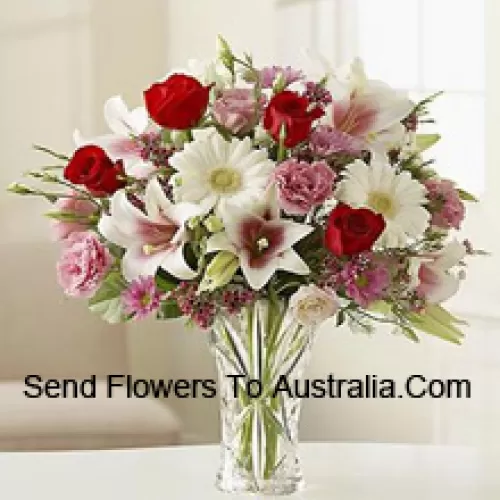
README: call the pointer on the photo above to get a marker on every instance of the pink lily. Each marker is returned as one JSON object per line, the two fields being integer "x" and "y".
{"x": 262, "y": 241}
{"x": 122, "y": 144}
{"x": 369, "y": 111}
{"x": 435, "y": 281}
{"x": 154, "y": 238}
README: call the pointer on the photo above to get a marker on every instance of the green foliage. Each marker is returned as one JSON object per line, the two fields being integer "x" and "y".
{"x": 421, "y": 107}
{"x": 106, "y": 302}
{"x": 438, "y": 322}
{"x": 465, "y": 196}
{"x": 165, "y": 282}
{"x": 110, "y": 310}
{"x": 169, "y": 310}
{"x": 426, "y": 141}
{"x": 341, "y": 317}
{"x": 70, "y": 217}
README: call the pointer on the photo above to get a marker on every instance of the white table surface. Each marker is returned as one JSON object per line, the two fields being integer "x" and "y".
{"x": 333, "y": 472}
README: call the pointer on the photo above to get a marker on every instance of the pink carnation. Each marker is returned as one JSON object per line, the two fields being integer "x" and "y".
{"x": 445, "y": 205}
{"x": 237, "y": 111}
{"x": 73, "y": 206}
{"x": 302, "y": 186}
{"x": 83, "y": 264}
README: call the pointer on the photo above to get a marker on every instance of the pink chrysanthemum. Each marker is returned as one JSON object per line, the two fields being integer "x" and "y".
{"x": 269, "y": 74}
{"x": 141, "y": 298}
{"x": 326, "y": 140}
{"x": 365, "y": 280}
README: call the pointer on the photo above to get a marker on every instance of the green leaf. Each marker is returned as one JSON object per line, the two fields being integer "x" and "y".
{"x": 340, "y": 320}
{"x": 381, "y": 307}
{"x": 428, "y": 324}
{"x": 443, "y": 316}
{"x": 409, "y": 333}
{"x": 69, "y": 217}
{"x": 426, "y": 141}
{"x": 166, "y": 136}
{"x": 465, "y": 196}
{"x": 169, "y": 310}
{"x": 111, "y": 288}
{"x": 110, "y": 310}
{"x": 165, "y": 283}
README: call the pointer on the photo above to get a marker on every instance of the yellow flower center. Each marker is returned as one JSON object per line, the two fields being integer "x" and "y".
{"x": 361, "y": 281}
{"x": 262, "y": 244}
{"x": 225, "y": 180}
{"x": 382, "y": 203}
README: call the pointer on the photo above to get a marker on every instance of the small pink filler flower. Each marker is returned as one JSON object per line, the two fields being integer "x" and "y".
{"x": 81, "y": 209}
{"x": 83, "y": 264}
{"x": 302, "y": 186}
{"x": 142, "y": 297}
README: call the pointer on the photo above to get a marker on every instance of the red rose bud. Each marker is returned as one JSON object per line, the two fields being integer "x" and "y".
{"x": 294, "y": 111}
{"x": 91, "y": 167}
{"x": 352, "y": 230}
{"x": 178, "y": 103}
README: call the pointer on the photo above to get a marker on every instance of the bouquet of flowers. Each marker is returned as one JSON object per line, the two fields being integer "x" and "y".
{"x": 237, "y": 186}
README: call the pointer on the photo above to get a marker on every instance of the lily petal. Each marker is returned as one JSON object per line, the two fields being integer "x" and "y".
{"x": 441, "y": 288}
{"x": 290, "y": 261}
{"x": 121, "y": 227}
{"x": 122, "y": 121}
{"x": 451, "y": 255}
{"x": 175, "y": 264}
{"x": 257, "y": 277}
{"x": 136, "y": 263}
{"x": 294, "y": 232}
{"x": 220, "y": 242}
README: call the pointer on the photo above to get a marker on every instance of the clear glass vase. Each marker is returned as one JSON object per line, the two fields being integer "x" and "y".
{"x": 261, "y": 354}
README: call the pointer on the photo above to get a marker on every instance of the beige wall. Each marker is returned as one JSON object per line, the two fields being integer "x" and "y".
{"x": 60, "y": 60}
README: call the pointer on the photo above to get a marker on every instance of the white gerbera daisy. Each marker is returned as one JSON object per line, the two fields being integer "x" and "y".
{"x": 213, "y": 172}
{"x": 397, "y": 197}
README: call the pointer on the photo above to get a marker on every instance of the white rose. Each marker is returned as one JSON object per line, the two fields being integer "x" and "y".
{"x": 311, "y": 306}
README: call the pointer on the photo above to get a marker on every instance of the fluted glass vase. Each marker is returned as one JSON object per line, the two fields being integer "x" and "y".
{"x": 261, "y": 354}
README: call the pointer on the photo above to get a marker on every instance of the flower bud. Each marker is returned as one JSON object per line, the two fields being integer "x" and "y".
{"x": 17, "y": 188}
{"x": 279, "y": 83}
{"x": 225, "y": 54}
{"x": 213, "y": 224}
{"x": 194, "y": 222}
{"x": 220, "y": 271}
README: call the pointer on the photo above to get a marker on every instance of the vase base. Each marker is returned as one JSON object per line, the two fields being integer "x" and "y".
{"x": 270, "y": 487}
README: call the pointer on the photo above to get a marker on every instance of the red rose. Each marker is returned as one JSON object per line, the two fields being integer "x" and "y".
{"x": 177, "y": 103}
{"x": 352, "y": 230}
{"x": 92, "y": 168}
{"x": 295, "y": 112}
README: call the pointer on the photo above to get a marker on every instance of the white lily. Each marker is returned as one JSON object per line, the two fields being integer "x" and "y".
{"x": 125, "y": 125}
{"x": 261, "y": 240}
{"x": 153, "y": 239}
{"x": 432, "y": 276}
{"x": 369, "y": 110}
